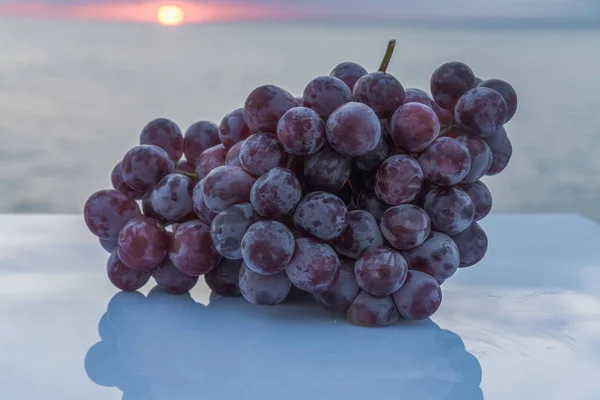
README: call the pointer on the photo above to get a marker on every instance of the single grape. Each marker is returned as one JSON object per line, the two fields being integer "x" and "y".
{"x": 108, "y": 244}
{"x": 198, "y": 137}
{"x": 362, "y": 233}
{"x": 353, "y": 129}
{"x": 186, "y": 166}
{"x": 145, "y": 165}
{"x": 501, "y": 148}
{"x": 321, "y": 215}
{"x": 349, "y": 73}
{"x": 325, "y": 94}
{"x": 202, "y": 211}
{"x": 327, "y": 170}
{"x": 191, "y": 250}
{"x": 445, "y": 116}
{"x": 265, "y": 106}
{"x": 123, "y": 277}
{"x": 265, "y": 290}
{"x": 228, "y": 228}
{"x": 480, "y": 196}
{"x": 276, "y": 193}
{"x": 438, "y": 256}
{"x": 224, "y": 278}
{"x": 107, "y": 211}
{"x": 301, "y": 131}
{"x": 481, "y": 157}
{"x": 267, "y": 247}
{"x": 420, "y": 296}
{"x": 380, "y": 271}
{"x": 165, "y": 134}
{"x": 480, "y": 111}
{"x": 371, "y": 160}
{"x": 449, "y": 82}
{"x": 380, "y": 91}
{"x": 414, "y": 95}
{"x": 261, "y": 152}
{"x": 398, "y": 180}
{"x": 413, "y": 127}
{"x": 225, "y": 186}
{"x": 372, "y": 311}
{"x": 450, "y": 209}
{"x": 446, "y": 162}
{"x": 233, "y": 154}
{"x": 172, "y": 280}
{"x": 314, "y": 267}
{"x": 210, "y": 159}
{"x": 369, "y": 202}
{"x": 472, "y": 244}
{"x": 507, "y": 92}
{"x": 149, "y": 212}
{"x": 172, "y": 197}
{"x": 119, "y": 184}
{"x": 233, "y": 128}
{"x": 405, "y": 226}
{"x": 142, "y": 244}
{"x": 338, "y": 298}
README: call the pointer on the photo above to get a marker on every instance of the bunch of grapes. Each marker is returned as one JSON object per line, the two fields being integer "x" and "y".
{"x": 362, "y": 193}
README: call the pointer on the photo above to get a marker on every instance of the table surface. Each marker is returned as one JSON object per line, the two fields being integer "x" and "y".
{"x": 522, "y": 324}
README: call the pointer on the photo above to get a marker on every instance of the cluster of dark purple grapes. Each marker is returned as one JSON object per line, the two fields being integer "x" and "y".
{"x": 361, "y": 192}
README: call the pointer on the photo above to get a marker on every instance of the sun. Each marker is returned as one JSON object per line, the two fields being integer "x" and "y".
{"x": 170, "y": 15}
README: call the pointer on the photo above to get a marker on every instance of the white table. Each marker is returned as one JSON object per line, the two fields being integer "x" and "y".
{"x": 523, "y": 324}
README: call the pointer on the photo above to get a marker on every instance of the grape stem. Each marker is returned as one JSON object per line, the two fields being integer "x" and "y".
{"x": 388, "y": 56}
{"x": 189, "y": 174}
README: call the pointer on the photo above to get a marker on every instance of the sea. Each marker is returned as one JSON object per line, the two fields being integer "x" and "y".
{"x": 74, "y": 95}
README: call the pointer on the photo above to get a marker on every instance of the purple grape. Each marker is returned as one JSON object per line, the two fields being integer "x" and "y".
{"x": 481, "y": 157}
{"x": 414, "y": 95}
{"x": 142, "y": 244}
{"x": 362, "y": 233}
{"x": 372, "y": 311}
{"x": 210, "y": 159}
{"x": 261, "y": 152}
{"x": 172, "y": 280}
{"x": 445, "y": 116}
{"x": 108, "y": 244}
{"x": 501, "y": 148}
{"x": 119, "y": 184}
{"x": 224, "y": 278}
{"x": 172, "y": 197}
{"x": 265, "y": 106}
{"x": 349, "y": 73}
{"x": 228, "y": 228}
{"x": 398, "y": 180}
{"x": 233, "y": 154}
{"x": 265, "y": 290}
{"x": 322, "y": 215}
{"x": 314, "y": 267}
{"x": 420, "y": 296}
{"x": 233, "y": 128}
{"x": 107, "y": 211}
{"x": 371, "y": 161}
{"x": 299, "y": 100}
{"x": 380, "y": 91}
{"x": 276, "y": 193}
{"x": 198, "y": 137}
{"x": 327, "y": 170}
{"x": 369, "y": 202}
{"x": 478, "y": 81}
{"x": 450, "y": 209}
{"x": 446, "y": 162}
{"x": 481, "y": 197}
{"x": 191, "y": 250}
{"x": 186, "y": 166}
{"x": 149, "y": 212}
{"x": 472, "y": 244}
{"x": 438, "y": 256}
{"x": 405, "y": 226}
{"x": 145, "y": 165}
{"x": 165, "y": 134}
{"x": 353, "y": 130}
{"x": 380, "y": 271}
{"x": 449, "y": 82}
{"x": 267, "y": 247}
{"x": 204, "y": 213}
{"x": 338, "y": 298}
{"x": 225, "y": 186}
{"x": 507, "y": 92}
{"x": 123, "y": 277}
{"x": 325, "y": 94}
{"x": 481, "y": 112}
{"x": 301, "y": 131}
{"x": 413, "y": 127}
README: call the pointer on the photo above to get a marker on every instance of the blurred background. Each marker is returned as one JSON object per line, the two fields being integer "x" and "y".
{"x": 80, "y": 78}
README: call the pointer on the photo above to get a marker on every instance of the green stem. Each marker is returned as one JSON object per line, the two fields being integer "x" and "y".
{"x": 193, "y": 176}
{"x": 388, "y": 56}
